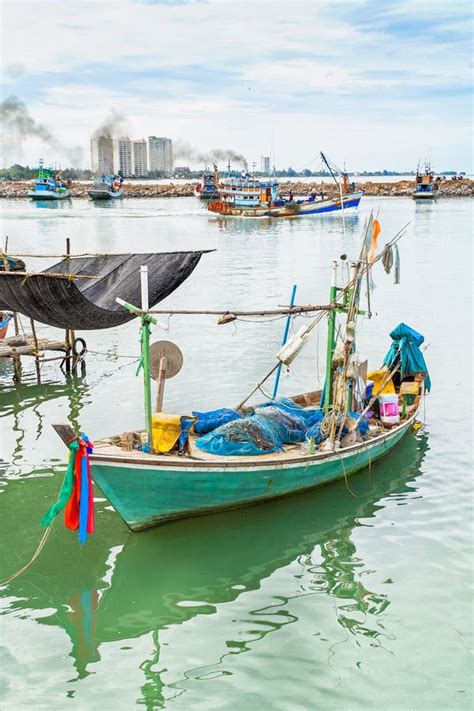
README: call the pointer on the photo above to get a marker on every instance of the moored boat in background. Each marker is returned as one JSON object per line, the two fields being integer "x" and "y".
{"x": 426, "y": 187}
{"x": 49, "y": 185}
{"x": 106, "y": 187}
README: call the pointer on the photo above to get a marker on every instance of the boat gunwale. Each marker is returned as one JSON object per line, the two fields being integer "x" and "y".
{"x": 163, "y": 462}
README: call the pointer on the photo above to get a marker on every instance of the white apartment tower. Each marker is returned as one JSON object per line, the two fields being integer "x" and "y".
{"x": 125, "y": 156}
{"x": 102, "y": 155}
{"x": 140, "y": 158}
{"x": 160, "y": 154}
{"x": 265, "y": 165}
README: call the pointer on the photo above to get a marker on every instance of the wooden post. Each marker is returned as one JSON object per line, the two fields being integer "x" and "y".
{"x": 35, "y": 341}
{"x": 68, "y": 332}
{"x": 16, "y": 366}
{"x": 161, "y": 384}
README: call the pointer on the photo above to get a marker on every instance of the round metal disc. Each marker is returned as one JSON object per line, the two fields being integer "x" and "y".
{"x": 173, "y": 355}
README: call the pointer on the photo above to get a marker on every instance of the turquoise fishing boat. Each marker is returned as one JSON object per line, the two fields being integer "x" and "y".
{"x": 151, "y": 479}
{"x": 49, "y": 185}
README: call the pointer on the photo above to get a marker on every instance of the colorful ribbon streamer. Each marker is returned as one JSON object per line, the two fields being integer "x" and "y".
{"x": 76, "y": 496}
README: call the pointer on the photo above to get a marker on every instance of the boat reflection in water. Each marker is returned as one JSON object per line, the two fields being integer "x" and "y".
{"x": 65, "y": 203}
{"x": 124, "y": 586}
{"x": 330, "y": 224}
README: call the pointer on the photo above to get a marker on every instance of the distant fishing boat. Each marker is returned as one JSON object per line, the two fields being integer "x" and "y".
{"x": 260, "y": 197}
{"x": 426, "y": 187}
{"x": 170, "y": 471}
{"x": 49, "y": 185}
{"x": 206, "y": 188}
{"x": 107, "y": 187}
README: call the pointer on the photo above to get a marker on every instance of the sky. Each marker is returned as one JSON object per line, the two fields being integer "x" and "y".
{"x": 375, "y": 84}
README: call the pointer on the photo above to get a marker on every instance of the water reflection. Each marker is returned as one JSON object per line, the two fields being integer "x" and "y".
{"x": 115, "y": 204}
{"x": 330, "y": 222}
{"x": 20, "y": 397}
{"x": 62, "y": 204}
{"x": 122, "y": 586}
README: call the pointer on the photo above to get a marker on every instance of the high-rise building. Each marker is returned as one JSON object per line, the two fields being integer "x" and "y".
{"x": 102, "y": 155}
{"x": 125, "y": 156}
{"x": 265, "y": 165}
{"x": 160, "y": 154}
{"x": 140, "y": 158}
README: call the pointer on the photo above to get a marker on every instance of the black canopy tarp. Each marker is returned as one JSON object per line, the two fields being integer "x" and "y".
{"x": 88, "y": 304}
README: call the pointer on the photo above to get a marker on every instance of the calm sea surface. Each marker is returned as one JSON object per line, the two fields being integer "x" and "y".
{"x": 329, "y": 600}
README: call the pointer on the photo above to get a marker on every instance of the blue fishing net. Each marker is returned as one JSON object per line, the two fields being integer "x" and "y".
{"x": 309, "y": 416}
{"x": 242, "y": 437}
{"x": 209, "y": 421}
{"x": 289, "y": 427}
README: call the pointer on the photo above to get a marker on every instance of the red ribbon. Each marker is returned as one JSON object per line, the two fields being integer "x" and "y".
{"x": 71, "y": 512}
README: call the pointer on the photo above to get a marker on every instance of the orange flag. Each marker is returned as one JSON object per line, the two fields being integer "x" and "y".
{"x": 376, "y": 229}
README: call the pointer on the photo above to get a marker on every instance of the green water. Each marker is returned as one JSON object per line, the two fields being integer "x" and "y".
{"x": 336, "y": 599}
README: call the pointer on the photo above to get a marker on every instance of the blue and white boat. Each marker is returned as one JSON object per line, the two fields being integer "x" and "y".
{"x": 426, "y": 188}
{"x": 206, "y": 188}
{"x": 260, "y": 197}
{"x": 49, "y": 185}
{"x": 107, "y": 187}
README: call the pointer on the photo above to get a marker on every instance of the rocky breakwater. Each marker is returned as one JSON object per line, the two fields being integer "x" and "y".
{"x": 447, "y": 188}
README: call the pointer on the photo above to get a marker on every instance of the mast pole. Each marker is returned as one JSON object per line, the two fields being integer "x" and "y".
{"x": 329, "y": 167}
{"x": 145, "y": 353}
{"x": 331, "y": 341}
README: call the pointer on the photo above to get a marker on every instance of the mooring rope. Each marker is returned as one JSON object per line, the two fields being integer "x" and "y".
{"x": 40, "y": 547}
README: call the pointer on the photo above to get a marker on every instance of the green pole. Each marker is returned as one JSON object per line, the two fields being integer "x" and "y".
{"x": 331, "y": 340}
{"x": 146, "y": 320}
{"x": 145, "y": 357}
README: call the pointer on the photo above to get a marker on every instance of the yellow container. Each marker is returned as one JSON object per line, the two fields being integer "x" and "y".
{"x": 165, "y": 431}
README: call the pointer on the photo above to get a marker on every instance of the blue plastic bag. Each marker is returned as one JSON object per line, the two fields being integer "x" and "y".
{"x": 209, "y": 421}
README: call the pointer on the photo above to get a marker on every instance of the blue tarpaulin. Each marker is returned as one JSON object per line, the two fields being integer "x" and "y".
{"x": 406, "y": 344}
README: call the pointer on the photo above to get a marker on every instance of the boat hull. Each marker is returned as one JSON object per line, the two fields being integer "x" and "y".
{"x": 152, "y": 490}
{"x": 295, "y": 209}
{"x": 425, "y": 196}
{"x": 105, "y": 194}
{"x": 48, "y": 195}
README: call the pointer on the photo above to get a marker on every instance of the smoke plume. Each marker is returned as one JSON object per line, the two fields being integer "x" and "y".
{"x": 18, "y": 126}
{"x": 182, "y": 149}
{"x": 114, "y": 126}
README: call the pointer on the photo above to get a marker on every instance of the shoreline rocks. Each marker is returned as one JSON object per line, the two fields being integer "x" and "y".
{"x": 402, "y": 188}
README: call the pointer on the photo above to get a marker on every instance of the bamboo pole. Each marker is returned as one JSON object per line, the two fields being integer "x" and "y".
{"x": 30, "y": 349}
{"x": 290, "y": 311}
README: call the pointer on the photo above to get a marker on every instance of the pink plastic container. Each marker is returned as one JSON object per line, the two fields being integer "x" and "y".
{"x": 389, "y": 410}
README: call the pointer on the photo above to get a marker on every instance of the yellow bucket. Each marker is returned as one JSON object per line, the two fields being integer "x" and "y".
{"x": 165, "y": 431}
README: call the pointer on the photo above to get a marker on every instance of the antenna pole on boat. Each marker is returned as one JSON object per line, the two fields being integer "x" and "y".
{"x": 285, "y": 337}
{"x": 331, "y": 340}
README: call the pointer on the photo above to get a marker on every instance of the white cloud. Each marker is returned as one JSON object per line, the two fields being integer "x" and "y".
{"x": 272, "y": 66}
